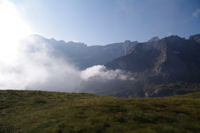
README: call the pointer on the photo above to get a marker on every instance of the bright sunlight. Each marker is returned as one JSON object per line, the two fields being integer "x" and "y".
{"x": 13, "y": 29}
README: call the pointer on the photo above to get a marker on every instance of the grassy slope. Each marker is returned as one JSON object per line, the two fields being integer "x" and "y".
{"x": 46, "y": 112}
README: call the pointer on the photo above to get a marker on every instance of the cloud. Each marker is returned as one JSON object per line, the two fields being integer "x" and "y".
{"x": 36, "y": 68}
{"x": 100, "y": 72}
{"x": 30, "y": 64}
{"x": 196, "y": 13}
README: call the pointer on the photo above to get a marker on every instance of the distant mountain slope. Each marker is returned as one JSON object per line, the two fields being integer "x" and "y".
{"x": 159, "y": 67}
{"x": 161, "y": 62}
{"x": 51, "y": 112}
{"x": 82, "y": 55}
{"x": 171, "y": 59}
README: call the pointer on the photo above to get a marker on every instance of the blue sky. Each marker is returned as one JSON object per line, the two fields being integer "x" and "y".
{"x": 99, "y": 22}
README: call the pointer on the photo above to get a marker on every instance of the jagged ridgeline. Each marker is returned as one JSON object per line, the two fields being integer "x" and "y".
{"x": 159, "y": 67}
{"x": 82, "y": 55}
{"x": 163, "y": 67}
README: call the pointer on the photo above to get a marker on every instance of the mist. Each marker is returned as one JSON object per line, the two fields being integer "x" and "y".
{"x": 35, "y": 67}
{"x": 28, "y": 61}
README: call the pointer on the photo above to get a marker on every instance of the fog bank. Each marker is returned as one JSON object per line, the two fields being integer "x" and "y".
{"x": 34, "y": 67}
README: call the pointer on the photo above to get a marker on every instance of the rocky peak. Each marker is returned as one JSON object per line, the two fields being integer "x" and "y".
{"x": 173, "y": 56}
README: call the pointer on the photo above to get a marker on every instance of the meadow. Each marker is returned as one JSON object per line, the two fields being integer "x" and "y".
{"x": 55, "y": 112}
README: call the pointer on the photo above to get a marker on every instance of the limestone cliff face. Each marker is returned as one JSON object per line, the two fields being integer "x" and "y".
{"x": 160, "y": 59}
{"x": 160, "y": 67}
{"x": 171, "y": 59}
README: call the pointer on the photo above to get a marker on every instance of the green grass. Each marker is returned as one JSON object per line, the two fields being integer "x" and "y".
{"x": 51, "y": 112}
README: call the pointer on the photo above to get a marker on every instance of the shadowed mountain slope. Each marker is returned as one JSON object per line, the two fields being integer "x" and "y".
{"x": 168, "y": 59}
{"x": 161, "y": 67}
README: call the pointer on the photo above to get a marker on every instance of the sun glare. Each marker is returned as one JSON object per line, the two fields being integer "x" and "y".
{"x": 12, "y": 29}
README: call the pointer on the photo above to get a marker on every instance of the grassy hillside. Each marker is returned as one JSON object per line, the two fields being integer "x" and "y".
{"x": 50, "y": 112}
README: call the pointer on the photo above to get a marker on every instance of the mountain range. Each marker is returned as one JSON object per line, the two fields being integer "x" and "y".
{"x": 160, "y": 67}
{"x": 163, "y": 67}
{"x": 169, "y": 59}
{"x": 84, "y": 56}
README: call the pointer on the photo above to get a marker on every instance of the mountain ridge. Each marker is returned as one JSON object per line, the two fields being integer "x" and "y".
{"x": 157, "y": 64}
{"x": 175, "y": 51}
{"x": 84, "y": 56}
{"x": 159, "y": 67}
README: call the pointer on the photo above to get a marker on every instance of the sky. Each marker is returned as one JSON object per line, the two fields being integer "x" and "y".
{"x": 100, "y": 22}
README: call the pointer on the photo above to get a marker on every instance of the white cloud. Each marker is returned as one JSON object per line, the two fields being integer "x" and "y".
{"x": 196, "y": 13}
{"x": 35, "y": 68}
{"x": 27, "y": 64}
{"x": 100, "y": 72}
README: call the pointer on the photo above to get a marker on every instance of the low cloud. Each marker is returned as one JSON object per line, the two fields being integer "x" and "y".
{"x": 101, "y": 73}
{"x": 32, "y": 63}
{"x": 36, "y": 68}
